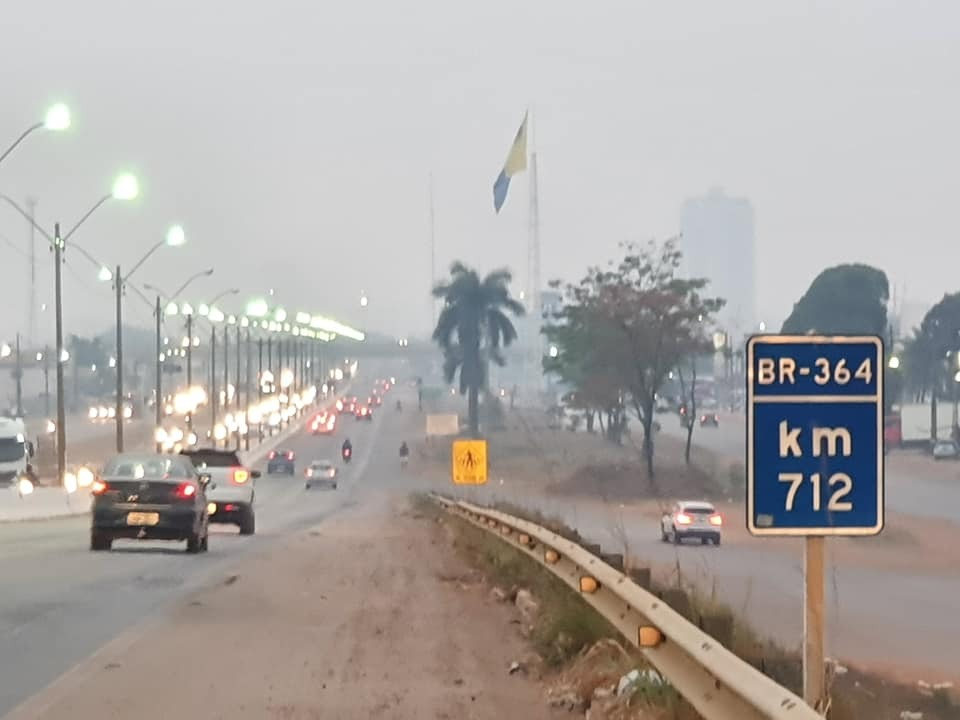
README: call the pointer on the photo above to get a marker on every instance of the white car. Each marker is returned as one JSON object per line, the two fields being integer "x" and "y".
{"x": 691, "y": 519}
{"x": 322, "y": 473}
{"x": 945, "y": 450}
{"x": 230, "y": 489}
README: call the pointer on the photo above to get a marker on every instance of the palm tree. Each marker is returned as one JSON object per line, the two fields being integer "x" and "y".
{"x": 472, "y": 328}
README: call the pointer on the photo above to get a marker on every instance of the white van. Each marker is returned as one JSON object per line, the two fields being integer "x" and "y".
{"x": 15, "y": 450}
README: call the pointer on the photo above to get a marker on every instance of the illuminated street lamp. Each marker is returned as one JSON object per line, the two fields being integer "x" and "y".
{"x": 56, "y": 120}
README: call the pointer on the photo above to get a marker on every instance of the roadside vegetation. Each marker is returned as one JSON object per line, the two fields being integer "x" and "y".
{"x": 584, "y": 659}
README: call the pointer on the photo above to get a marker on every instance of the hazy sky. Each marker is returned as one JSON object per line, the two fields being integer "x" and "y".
{"x": 294, "y": 140}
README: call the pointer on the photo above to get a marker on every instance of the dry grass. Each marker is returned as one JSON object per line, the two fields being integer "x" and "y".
{"x": 567, "y": 626}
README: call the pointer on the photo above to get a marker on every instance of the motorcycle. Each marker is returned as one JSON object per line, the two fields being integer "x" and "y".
{"x": 347, "y": 454}
{"x": 399, "y": 406}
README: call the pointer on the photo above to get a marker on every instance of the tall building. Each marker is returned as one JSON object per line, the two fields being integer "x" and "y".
{"x": 718, "y": 244}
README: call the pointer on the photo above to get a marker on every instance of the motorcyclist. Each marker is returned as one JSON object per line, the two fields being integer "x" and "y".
{"x": 346, "y": 450}
{"x": 399, "y": 406}
{"x": 404, "y": 453}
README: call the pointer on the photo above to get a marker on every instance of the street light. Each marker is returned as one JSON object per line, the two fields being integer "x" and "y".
{"x": 172, "y": 309}
{"x": 126, "y": 187}
{"x": 894, "y": 363}
{"x": 56, "y": 119}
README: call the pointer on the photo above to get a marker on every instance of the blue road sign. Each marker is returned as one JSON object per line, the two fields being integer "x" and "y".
{"x": 814, "y": 435}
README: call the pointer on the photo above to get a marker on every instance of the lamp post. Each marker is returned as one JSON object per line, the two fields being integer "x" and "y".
{"x": 56, "y": 119}
{"x": 172, "y": 309}
{"x": 175, "y": 237}
{"x": 124, "y": 188}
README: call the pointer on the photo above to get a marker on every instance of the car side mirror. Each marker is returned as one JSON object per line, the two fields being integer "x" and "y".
{"x": 255, "y": 474}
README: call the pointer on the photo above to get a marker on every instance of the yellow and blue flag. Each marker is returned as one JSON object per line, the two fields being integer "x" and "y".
{"x": 516, "y": 163}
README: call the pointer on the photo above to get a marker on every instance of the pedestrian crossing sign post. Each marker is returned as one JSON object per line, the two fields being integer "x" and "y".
{"x": 469, "y": 462}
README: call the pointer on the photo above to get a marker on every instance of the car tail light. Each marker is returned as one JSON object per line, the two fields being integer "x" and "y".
{"x": 240, "y": 476}
{"x": 272, "y": 455}
{"x": 98, "y": 487}
{"x": 186, "y": 490}
{"x": 339, "y": 405}
{"x": 703, "y": 418}
{"x": 684, "y": 519}
{"x": 289, "y": 456}
{"x": 309, "y": 472}
{"x": 716, "y": 520}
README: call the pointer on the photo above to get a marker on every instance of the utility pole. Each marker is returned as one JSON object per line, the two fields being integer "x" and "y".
{"x": 19, "y": 380}
{"x": 61, "y": 428}
{"x": 226, "y": 367}
{"x": 190, "y": 350}
{"x": 213, "y": 382}
{"x": 32, "y": 307}
{"x": 157, "y": 390}
{"x": 118, "y": 287}
{"x": 46, "y": 380}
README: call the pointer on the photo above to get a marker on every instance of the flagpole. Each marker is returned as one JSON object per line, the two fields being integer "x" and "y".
{"x": 533, "y": 263}
{"x": 433, "y": 257}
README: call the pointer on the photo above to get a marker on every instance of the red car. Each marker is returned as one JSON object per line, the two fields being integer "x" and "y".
{"x": 323, "y": 424}
{"x": 363, "y": 413}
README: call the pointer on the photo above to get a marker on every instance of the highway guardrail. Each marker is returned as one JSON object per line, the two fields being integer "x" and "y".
{"x": 717, "y": 683}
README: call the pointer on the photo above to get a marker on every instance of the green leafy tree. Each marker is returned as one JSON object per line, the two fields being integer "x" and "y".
{"x": 652, "y": 319}
{"x": 931, "y": 354}
{"x": 842, "y": 300}
{"x": 586, "y": 360}
{"x": 473, "y": 326}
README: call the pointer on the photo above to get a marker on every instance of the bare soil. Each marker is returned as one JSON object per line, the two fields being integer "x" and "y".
{"x": 363, "y": 617}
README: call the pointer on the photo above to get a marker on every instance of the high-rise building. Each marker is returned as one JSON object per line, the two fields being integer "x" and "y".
{"x": 718, "y": 244}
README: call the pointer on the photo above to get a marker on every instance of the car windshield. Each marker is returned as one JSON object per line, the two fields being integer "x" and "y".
{"x": 698, "y": 509}
{"x": 138, "y": 467}
{"x": 11, "y": 449}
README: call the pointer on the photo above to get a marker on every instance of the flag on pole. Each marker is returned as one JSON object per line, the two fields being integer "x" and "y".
{"x": 516, "y": 163}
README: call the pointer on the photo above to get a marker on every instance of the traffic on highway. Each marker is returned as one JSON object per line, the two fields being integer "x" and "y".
{"x": 499, "y": 360}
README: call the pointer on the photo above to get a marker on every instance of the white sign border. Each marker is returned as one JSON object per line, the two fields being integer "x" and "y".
{"x": 877, "y": 342}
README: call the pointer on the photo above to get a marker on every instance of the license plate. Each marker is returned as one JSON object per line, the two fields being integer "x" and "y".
{"x": 143, "y": 518}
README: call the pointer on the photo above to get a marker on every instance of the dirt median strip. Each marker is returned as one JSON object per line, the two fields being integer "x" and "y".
{"x": 363, "y": 616}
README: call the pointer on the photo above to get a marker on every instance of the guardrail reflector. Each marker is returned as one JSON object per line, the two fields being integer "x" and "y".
{"x": 505, "y": 529}
{"x": 648, "y": 636}
{"x": 589, "y": 584}
{"x": 524, "y": 539}
{"x": 551, "y": 557}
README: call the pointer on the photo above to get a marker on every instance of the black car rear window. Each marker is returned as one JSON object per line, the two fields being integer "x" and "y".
{"x": 212, "y": 458}
{"x": 699, "y": 510}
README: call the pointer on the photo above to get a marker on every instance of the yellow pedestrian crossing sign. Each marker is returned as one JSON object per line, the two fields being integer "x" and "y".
{"x": 469, "y": 462}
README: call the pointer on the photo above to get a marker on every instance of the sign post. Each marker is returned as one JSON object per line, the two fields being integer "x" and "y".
{"x": 814, "y": 457}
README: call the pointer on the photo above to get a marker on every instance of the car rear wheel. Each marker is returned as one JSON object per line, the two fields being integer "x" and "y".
{"x": 307, "y": 486}
{"x": 248, "y": 523}
{"x": 100, "y": 541}
{"x": 194, "y": 544}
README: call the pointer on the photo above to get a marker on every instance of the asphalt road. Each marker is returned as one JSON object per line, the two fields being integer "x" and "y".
{"x": 61, "y": 602}
{"x": 913, "y": 486}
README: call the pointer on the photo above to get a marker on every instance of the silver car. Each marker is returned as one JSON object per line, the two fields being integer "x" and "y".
{"x": 322, "y": 473}
{"x": 691, "y": 519}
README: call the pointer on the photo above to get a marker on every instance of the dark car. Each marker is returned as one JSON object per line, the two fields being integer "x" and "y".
{"x": 374, "y": 400}
{"x": 363, "y": 413}
{"x": 709, "y": 420}
{"x": 143, "y": 496}
{"x": 281, "y": 461}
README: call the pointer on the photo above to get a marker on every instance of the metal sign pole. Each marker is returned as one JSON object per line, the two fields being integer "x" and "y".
{"x": 814, "y": 670}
